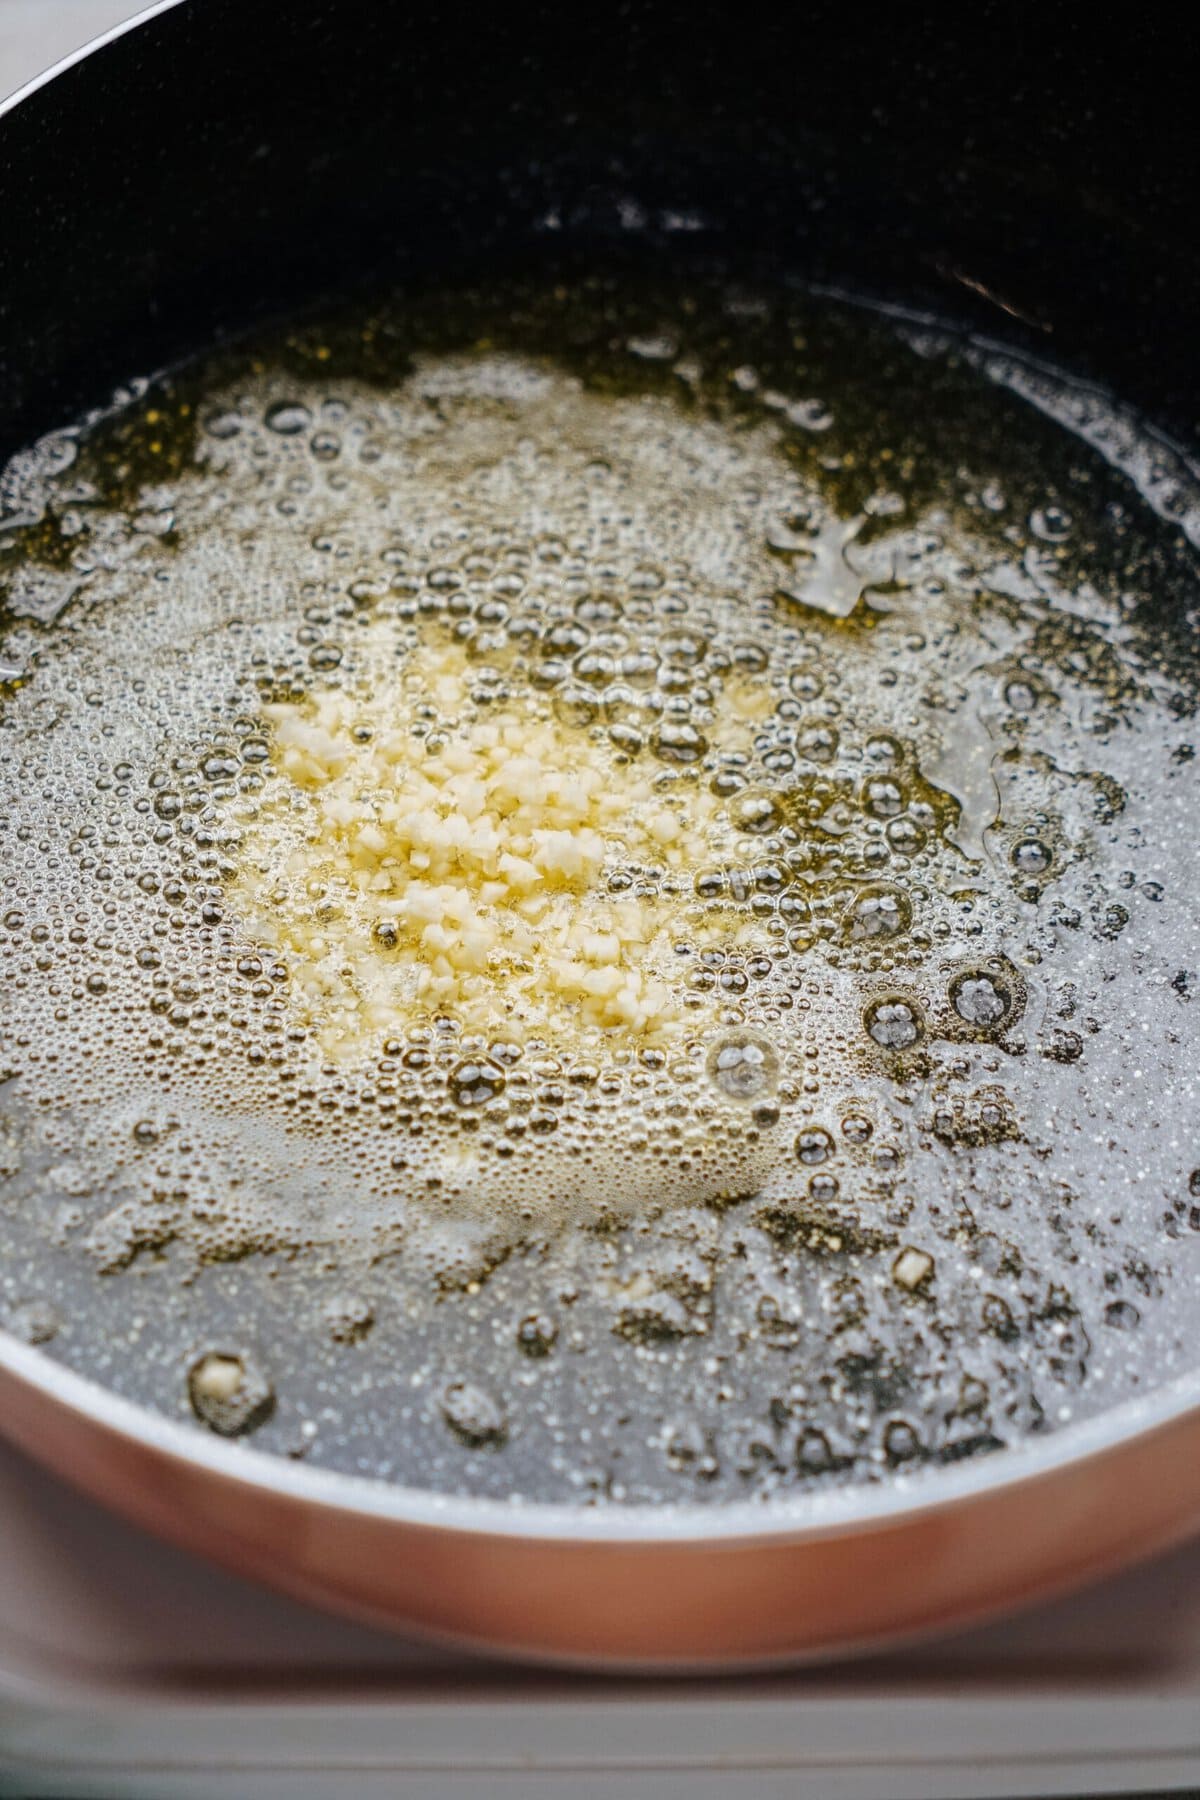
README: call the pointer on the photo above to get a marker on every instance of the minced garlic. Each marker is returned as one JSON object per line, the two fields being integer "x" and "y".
{"x": 462, "y": 868}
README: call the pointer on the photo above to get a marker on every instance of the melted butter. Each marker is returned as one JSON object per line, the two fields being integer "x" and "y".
{"x": 828, "y": 716}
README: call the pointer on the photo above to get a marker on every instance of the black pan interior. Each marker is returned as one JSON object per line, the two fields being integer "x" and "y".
{"x": 1030, "y": 171}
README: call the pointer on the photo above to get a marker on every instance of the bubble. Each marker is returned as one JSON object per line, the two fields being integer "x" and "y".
{"x": 348, "y": 1317}
{"x": 537, "y": 1334}
{"x": 219, "y": 767}
{"x": 883, "y": 798}
{"x": 901, "y": 1441}
{"x": 884, "y": 751}
{"x": 688, "y": 1447}
{"x": 639, "y": 668}
{"x": 474, "y": 1083}
{"x": 757, "y": 813}
{"x": 473, "y": 1415}
{"x": 324, "y": 657}
{"x": 679, "y": 741}
{"x": 814, "y": 1453}
{"x": 1122, "y": 1315}
{"x": 683, "y": 649}
{"x": 287, "y": 417}
{"x": 806, "y": 684}
{"x": 230, "y": 1392}
{"x": 998, "y": 1319}
{"x": 813, "y": 1145}
{"x": 819, "y": 744}
{"x": 879, "y": 913}
{"x": 1050, "y": 523}
{"x": 743, "y": 1066}
{"x": 979, "y": 1000}
{"x": 856, "y": 1128}
{"x": 906, "y": 837}
{"x": 1020, "y": 696}
{"x": 1031, "y": 857}
{"x": 595, "y": 668}
{"x": 34, "y": 1321}
{"x": 893, "y": 1024}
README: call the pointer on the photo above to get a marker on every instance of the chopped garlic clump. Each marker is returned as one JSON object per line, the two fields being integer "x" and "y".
{"x": 402, "y": 868}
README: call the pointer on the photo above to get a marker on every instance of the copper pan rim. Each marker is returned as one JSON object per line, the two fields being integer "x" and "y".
{"x": 801, "y": 1518}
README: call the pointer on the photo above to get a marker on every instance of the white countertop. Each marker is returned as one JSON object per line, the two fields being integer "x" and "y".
{"x": 36, "y": 33}
{"x": 131, "y": 1671}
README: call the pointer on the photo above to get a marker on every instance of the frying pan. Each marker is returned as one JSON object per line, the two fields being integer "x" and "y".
{"x": 1027, "y": 176}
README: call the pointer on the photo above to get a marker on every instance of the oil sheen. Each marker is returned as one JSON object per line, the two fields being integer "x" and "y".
{"x": 598, "y": 838}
